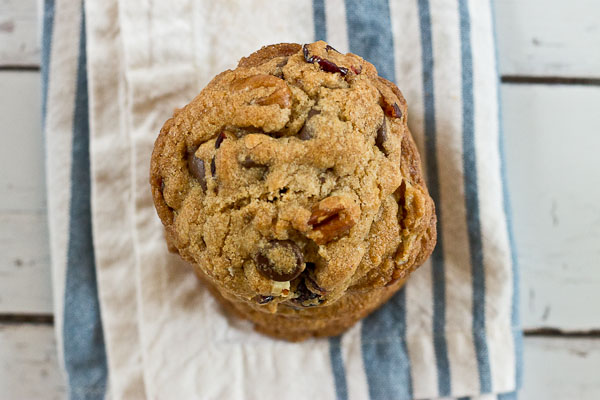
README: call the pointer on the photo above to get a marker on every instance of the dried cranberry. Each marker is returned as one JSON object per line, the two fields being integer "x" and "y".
{"x": 358, "y": 70}
{"x": 325, "y": 65}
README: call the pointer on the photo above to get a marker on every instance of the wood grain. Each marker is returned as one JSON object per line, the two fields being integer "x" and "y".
{"x": 554, "y": 368}
{"x": 552, "y": 141}
{"x": 552, "y": 135}
{"x": 22, "y": 149}
{"x": 28, "y": 363}
{"x": 555, "y": 38}
{"x": 561, "y": 369}
{"x": 25, "y": 277}
{"x": 535, "y": 37}
{"x": 19, "y": 39}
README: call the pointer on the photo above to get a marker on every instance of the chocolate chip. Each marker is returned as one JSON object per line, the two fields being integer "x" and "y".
{"x": 196, "y": 167}
{"x": 263, "y": 299}
{"x": 312, "y": 113}
{"x": 219, "y": 140}
{"x": 213, "y": 167}
{"x": 397, "y": 111}
{"x": 381, "y": 137}
{"x": 325, "y": 65}
{"x": 306, "y": 133}
{"x": 280, "y": 260}
{"x": 250, "y": 163}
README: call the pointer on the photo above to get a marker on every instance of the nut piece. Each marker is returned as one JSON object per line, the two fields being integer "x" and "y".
{"x": 331, "y": 218}
{"x": 282, "y": 95}
{"x": 390, "y": 99}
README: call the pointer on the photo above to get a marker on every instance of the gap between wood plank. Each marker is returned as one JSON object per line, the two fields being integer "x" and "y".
{"x": 516, "y": 79}
{"x": 48, "y": 319}
{"x": 38, "y": 319}
{"x": 550, "y": 80}
{"x": 18, "y": 68}
{"x": 559, "y": 333}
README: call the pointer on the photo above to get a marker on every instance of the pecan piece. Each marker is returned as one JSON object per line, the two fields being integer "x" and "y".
{"x": 331, "y": 218}
{"x": 282, "y": 95}
{"x": 391, "y": 98}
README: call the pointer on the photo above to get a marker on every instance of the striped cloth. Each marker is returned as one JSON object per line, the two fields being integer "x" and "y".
{"x": 132, "y": 322}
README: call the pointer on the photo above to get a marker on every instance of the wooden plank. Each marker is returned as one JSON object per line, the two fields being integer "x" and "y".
{"x": 25, "y": 276}
{"x": 549, "y": 38}
{"x": 552, "y": 144}
{"x": 535, "y": 37}
{"x": 22, "y": 152}
{"x": 561, "y": 369}
{"x": 554, "y": 368}
{"x": 19, "y": 39}
{"x": 28, "y": 363}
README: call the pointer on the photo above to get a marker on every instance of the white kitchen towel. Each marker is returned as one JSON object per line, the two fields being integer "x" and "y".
{"x": 132, "y": 320}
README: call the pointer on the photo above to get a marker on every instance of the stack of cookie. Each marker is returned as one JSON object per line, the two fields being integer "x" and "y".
{"x": 293, "y": 186}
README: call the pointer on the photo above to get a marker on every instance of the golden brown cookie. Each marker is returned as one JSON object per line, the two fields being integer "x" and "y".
{"x": 293, "y": 186}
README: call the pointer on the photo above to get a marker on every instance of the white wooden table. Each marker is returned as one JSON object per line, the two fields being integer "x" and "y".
{"x": 550, "y": 64}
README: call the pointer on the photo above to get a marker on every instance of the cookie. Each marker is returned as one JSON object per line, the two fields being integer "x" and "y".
{"x": 293, "y": 186}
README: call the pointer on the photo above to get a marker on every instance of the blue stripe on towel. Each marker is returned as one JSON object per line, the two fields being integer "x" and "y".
{"x": 472, "y": 201}
{"x": 47, "y": 30}
{"x": 319, "y": 20}
{"x": 515, "y": 321}
{"x": 371, "y": 38}
{"x": 386, "y": 360}
{"x": 385, "y": 355}
{"x": 337, "y": 365}
{"x": 508, "y": 396}
{"x": 437, "y": 258}
{"x": 85, "y": 357}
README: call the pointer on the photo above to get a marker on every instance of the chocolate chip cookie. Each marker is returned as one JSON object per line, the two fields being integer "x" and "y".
{"x": 293, "y": 186}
